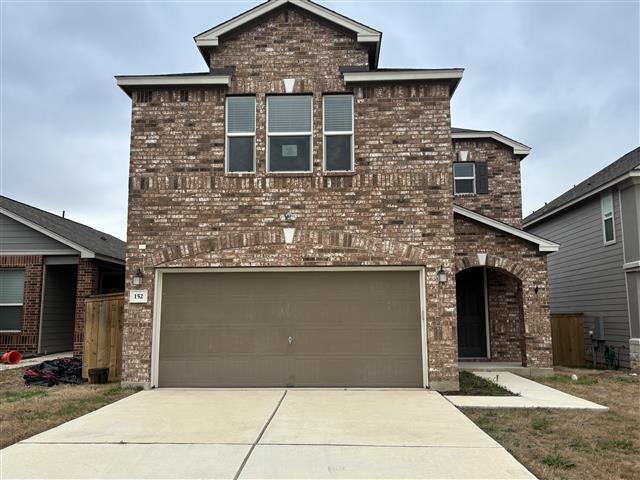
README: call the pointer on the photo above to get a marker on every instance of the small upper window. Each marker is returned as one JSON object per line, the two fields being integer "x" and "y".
{"x": 241, "y": 134}
{"x": 464, "y": 178}
{"x": 338, "y": 133}
{"x": 289, "y": 126}
{"x": 608, "y": 228}
{"x": 11, "y": 296}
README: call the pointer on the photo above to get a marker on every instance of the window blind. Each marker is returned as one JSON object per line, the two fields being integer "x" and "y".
{"x": 338, "y": 113}
{"x": 289, "y": 114}
{"x": 11, "y": 286}
{"x": 241, "y": 115}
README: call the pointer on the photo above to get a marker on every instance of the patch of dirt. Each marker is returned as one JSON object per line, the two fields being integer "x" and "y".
{"x": 471, "y": 384}
{"x": 26, "y": 411}
{"x": 574, "y": 444}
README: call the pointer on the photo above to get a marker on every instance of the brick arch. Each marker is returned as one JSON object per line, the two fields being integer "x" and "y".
{"x": 494, "y": 261}
{"x": 275, "y": 236}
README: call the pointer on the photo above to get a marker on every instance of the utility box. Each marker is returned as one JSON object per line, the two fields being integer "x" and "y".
{"x": 598, "y": 328}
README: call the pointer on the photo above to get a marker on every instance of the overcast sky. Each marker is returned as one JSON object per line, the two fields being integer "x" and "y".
{"x": 562, "y": 77}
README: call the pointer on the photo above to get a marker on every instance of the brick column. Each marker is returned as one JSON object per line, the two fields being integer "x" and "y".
{"x": 537, "y": 321}
{"x": 87, "y": 285}
{"x": 25, "y": 341}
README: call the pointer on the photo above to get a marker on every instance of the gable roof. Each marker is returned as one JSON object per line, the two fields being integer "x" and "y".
{"x": 544, "y": 245}
{"x": 625, "y": 166}
{"x": 367, "y": 35}
{"x": 465, "y": 133}
{"x": 89, "y": 242}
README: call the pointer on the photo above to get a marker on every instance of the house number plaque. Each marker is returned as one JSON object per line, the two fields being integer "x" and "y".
{"x": 138, "y": 296}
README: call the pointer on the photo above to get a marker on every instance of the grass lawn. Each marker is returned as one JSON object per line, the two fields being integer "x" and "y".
{"x": 25, "y": 411}
{"x": 573, "y": 444}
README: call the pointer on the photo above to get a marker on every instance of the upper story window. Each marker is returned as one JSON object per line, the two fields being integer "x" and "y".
{"x": 289, "y": 127}
{"x": 608, "y": 224}
{"x": 338, "y": 133}
{"x": 11, "y": 296}
{"x": 464, "y": 178}
{"x": 241, "y": 134}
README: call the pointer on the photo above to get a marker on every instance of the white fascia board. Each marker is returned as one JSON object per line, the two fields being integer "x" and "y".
{"x": 518, "y": 148}
{"x": 543, "y": 244}
{"x": 84, "y": 252}
{"x": 160, "y": 80}
{"x": 402, "y": 75}
{"x": 610, "y": 184}
{"x": 631, "y": 266}
{"x": 364, "y": 33}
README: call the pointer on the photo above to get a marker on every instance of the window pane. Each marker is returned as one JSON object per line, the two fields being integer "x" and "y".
{"x": 608, "y": 230}
{"x": 289, "y": 114}
{"x": 338, "y": 154}
{"x": 464, "y": 186}
{"x": 289, "y": 154}
{"x": 11, "y": 286}
{"x": 240, "y": 154}
{"x": 463, "y": 169}
{"x": 607, "y": 205}
{"x": 241, "y": 114}
{"x": 338, "y": 114}
{"x": 10, "y": 318}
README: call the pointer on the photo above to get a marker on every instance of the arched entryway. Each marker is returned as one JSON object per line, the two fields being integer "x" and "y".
{"x": 490, "y": 315}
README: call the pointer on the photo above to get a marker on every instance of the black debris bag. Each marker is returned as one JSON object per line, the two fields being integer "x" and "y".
{"x": 52, "y": 372}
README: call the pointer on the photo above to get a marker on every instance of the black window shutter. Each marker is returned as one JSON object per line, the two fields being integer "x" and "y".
{"x": 482, "y": 178}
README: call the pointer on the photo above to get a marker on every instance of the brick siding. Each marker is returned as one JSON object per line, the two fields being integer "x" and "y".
{"x": 88, "y": 278}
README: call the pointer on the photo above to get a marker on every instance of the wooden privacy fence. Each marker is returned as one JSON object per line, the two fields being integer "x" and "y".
{"x": 103, "y": 334}
{"x": 567, "y": 333}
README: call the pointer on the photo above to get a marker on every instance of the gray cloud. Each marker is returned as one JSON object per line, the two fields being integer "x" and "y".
{"x": 561, "y": 77}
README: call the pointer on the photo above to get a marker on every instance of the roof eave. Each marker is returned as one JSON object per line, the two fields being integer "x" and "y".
{"x": 544, "y": 245}
{"x": 519, "y": 149}
{"x": 128, "y": 82}
{"x": 453, "y": 75}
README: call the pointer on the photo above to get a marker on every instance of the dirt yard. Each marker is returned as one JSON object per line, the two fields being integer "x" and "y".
{"x": 558, "y": 444}
{"x": 25, "y": 411}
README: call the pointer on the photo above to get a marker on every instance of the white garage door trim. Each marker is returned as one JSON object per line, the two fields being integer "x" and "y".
{"x": 157, "y": 303}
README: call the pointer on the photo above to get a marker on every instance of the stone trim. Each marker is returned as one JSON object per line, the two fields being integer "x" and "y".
{"x": 272, "y": 236}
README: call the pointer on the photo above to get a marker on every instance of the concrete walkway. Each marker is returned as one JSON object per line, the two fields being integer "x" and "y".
{"x": 266, "y": 434}
{"x": 531, "y": 395}
{"x": 34, "y": 361}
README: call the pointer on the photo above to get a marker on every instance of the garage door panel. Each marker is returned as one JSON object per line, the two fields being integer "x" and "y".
{"x": 348, "y": 328}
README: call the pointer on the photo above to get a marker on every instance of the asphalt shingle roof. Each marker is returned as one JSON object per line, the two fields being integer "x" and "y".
{"x": 616, "y": 169}
{"x": 94, "y": 240}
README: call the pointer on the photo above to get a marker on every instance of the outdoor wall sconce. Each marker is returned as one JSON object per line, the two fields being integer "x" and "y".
{"x": 137, "y": 278}
{"x": 442, "y": 275}
{"x": 289, "y": 232}
{"x": 536, "y": 290}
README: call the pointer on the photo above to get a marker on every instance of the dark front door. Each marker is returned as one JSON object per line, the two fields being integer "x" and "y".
{"x": 472, "y": 329}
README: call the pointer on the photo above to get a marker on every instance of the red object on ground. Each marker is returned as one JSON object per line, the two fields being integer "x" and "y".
{"x": 11, "y": 357}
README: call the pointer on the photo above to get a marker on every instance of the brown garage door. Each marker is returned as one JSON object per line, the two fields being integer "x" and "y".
{"x": 331, "y": 328}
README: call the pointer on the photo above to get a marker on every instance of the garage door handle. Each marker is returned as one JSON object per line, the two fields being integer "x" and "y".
{"x": 290, "y": 340}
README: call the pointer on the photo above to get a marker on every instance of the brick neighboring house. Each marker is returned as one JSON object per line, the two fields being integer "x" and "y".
{"x": 293, "y": 212}
{"x": 48, "y": 266}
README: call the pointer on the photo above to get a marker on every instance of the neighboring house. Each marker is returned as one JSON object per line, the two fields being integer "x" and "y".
{"x": 48, "y": 266}
{"x": 297, "y": 216}
{"x": 597, "y": 272}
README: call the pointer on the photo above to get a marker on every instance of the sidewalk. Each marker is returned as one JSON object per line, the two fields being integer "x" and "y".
{"x": 530, "y": 395}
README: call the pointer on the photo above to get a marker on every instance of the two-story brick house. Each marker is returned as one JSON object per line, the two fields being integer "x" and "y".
{"x": 299, "y": 216}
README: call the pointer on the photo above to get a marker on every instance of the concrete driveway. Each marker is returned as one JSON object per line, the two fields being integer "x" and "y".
{"x": 171, "y": 433}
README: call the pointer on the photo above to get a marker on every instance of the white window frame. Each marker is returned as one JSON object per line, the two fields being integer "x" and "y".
{"x": 606, "y": 216}
{"x": 243, "y": 134}
{"x": 289, "y": 134}
{"x": 464, "y": 178}
{"x": 15, "y": 304}
{"x": 328, "y": 133}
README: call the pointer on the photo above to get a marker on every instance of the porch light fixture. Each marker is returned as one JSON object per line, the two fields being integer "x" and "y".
{"x": 137, "y": 278}
{"x": 442, "y": 275}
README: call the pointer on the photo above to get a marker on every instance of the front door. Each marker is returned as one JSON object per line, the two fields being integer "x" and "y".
{"x": 472, "y": 327}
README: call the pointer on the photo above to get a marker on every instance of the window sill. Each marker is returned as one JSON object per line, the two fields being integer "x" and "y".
{"x": 608, "y": 244}
{"x": 464, "y": 194}
{"x": 239, "y": 174}
{"x": 289, "y": 174}
{"x": 10, "y": 331}
{"x": 339, "y": 174}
